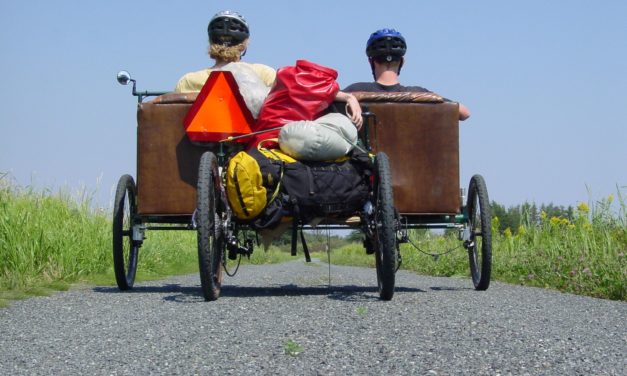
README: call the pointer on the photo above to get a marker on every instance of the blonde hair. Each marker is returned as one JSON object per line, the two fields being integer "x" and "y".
{"x": 227, "y": 53}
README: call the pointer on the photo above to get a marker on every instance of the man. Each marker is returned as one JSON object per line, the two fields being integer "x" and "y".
{"x": 228, "y": 40}
{"x": 386, "y": 50}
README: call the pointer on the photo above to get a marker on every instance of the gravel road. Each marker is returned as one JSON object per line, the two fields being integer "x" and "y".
{"x": 433, "y": 326}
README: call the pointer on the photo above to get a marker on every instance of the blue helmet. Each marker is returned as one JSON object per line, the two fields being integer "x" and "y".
{"x": 386, "y": 44}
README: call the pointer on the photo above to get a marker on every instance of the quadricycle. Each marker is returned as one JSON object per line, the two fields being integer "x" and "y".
{"x": 413, "y": 143}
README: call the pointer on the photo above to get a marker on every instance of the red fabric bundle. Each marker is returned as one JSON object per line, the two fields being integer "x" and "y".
{"x": 301, "y": 92}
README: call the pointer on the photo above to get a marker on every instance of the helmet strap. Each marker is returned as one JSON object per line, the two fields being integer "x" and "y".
{"x": 400, "y": 66}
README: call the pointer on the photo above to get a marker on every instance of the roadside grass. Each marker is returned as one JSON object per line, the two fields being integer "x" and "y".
{"x": 585, "y": 255}
{"x": 51, "y": 240}
{"x": 48, "y": 240}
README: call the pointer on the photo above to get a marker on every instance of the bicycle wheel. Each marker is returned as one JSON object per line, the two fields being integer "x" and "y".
{"x": 480, "y": 222}
{"x": 210, "y": 235}
{"x": 385, "y": 233}
{"x": 125, "y": 249}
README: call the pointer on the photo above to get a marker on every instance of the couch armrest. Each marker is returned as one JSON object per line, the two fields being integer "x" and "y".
{"x": 408, "y": 97}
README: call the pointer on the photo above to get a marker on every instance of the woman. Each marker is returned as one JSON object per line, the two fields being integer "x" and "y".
{"x": 228, "y": 39}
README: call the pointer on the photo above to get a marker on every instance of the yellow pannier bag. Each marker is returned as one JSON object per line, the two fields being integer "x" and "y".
{"x": 244, "y": 187}
{"x": 253, "y": 181}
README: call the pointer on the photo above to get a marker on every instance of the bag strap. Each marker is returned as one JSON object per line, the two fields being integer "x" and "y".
{"x": 238, "y": 190}
{"x": 296, "y": 225}
{"x": 305, "y": 248}
{"x": 278, "y": 186}
{"x": 294, "y": 237}
{"x": 295, "y": 221}
{"x": 310, "y": 181}
{"x": 354, "y": 144}
{"x": 260, "y": 144}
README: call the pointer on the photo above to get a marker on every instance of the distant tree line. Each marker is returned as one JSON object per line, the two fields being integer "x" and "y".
{"x": 527, "y": 214}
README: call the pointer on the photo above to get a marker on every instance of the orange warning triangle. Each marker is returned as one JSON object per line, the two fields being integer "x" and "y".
{"x": 219, "y": 111}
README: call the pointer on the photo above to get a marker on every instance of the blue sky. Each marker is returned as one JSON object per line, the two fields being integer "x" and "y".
{"x": 545, "y": 81}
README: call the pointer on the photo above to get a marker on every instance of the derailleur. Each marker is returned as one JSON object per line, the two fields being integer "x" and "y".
{"x": 401, "y": 230}
{"x": 368, "y": 228}
{"x": 235, "y": 248}
{"x": 465, "y": 235}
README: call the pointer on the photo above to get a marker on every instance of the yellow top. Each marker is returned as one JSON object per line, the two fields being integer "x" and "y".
{"x": 194, "y": 81}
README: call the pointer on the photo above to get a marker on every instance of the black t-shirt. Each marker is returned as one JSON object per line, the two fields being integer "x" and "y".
{"x": 378, "y": 88}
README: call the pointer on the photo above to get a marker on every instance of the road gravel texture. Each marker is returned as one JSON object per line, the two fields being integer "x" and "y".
{"x": 286, "y": 319}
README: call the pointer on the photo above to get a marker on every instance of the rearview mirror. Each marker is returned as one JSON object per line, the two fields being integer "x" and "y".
{"x": 124, "y": 77}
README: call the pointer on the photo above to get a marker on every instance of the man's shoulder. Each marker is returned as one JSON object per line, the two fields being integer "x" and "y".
{"x": 378, "y": 88}
{"x": 416, "y": 89}
{"x": 362, "y": 86}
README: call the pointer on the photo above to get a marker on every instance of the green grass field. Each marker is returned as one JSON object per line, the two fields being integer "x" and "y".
{"x": 50, "y": 240}
{"x": 585, "y": 255}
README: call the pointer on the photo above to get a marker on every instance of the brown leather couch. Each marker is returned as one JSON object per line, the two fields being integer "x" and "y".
{"x": 420, "y": 135}
{"x": 422, "y": 142}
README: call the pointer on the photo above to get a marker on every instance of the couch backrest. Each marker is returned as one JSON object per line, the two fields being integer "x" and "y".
{"x": 422, "y": 142}
{"x": 167, "y": 162}
{"x": 421, "y": 139}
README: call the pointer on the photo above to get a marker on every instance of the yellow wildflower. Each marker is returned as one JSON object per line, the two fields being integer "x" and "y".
{"x": 521, "y": 230}
{"x": 556, "y": 221}
{"x": 610, "y": 199}
{"x": 507, "y": 233}
{"x": 583, "y": 208}
{"x": 543, "y": 215}
{"x": 495, "y": 223}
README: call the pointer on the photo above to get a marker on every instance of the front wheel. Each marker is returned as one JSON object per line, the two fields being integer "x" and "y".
{"x": 385, "y": 232}
{"x": 210, "y": 233}
{"x": 125, "y": 249}
{"x": 480, "y": 223}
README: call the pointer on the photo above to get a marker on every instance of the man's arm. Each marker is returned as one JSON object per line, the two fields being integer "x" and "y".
{"x": 353, "y": 110}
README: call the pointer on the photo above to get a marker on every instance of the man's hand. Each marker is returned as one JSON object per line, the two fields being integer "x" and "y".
{"x": 464, "y": 112}
{"x": 353, "y": 110}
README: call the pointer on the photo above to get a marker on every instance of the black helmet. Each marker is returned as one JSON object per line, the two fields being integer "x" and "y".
{"x": 386, "y": 44}
{"x": 228, "y": 28}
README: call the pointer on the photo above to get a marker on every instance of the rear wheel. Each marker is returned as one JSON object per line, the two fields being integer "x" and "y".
{"x": 385, "y": 233}
{"x": 125, "y": 249}
{"x": 209, "y": 225}
{"x": 480, "y": 243}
